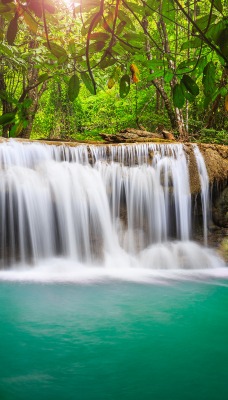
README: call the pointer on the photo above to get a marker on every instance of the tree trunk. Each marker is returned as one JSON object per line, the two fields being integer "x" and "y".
{"x": 34, "y": 94}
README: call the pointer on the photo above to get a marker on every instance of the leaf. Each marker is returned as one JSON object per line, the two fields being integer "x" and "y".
{"x": 168, "y": 76}
{"x": 218, "y": 5}
{"x": 120, "y": 27}
{"x": 49, "y": 6}
{"x": 203, "y": 21}
{"x": 43, "y": 78}
{"x": 87, "y": 5}
{"x": 124, "y": 17}
{"x": 73, "y": 87}
{"x": 12, "y": 30}
{"x": 111, "y": 83}
{"x": 190, "y": 85}
{"x": 5, "y": 49}
{"x": 4, "y": 8}
{"x": 192, "y": 44}
{"x": 222, "y": 42}
{"x": 168, "y": 11}
{"x": 56, "y": 50}
{"x": 107, "y": 61}
{"x": 36, "y": 7}
{"x": 99, "y": 36}
{"x": 124, "y": 87}
{"x": 87, "y": 82}
{"x": 7, "y": 118}
{"x": 209, "y": 79}
{"x": 135, "y": 7}
{"x": 96, "y": 47}
{"x": 31, "y": 22}
{"x": 134, "y": 73}
{"x": 178, "y": 96}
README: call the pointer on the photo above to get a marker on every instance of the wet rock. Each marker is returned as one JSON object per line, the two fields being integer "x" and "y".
{"x": 223, "y": 249}
{"x": 220, "y": 210}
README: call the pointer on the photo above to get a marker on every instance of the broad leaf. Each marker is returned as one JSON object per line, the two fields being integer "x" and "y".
{"x": 202, "y": 22}
{"x": 218, "y": 5}
{"x": 168, "y": 76}
{"x": 56, "y": 50}
{"x": 31, "y": 22}
{"x": 124, "y": 86}
{"x": 190, "y": 85}
{"x": 192, "y": 44}
{"x": 209, "y": 79}
{"x": 42, "y": 78}
{"x": 12, "y": 30}
{"x": 168, "y": 11}
{"x": 87, "y": 82}
{"x": 7, "y": 118}
{"x": 135, "y": 7}
{"x": 99, "y": 36}
{"x": 36, "y": 7}
{"x": 178, "y": 96}
{"x": 73, "y": 87}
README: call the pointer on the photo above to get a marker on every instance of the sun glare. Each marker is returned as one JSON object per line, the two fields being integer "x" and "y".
{"x": 70, "y": 3}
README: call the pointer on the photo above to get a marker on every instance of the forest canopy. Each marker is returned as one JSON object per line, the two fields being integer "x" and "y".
{"x": 71, "y": 69}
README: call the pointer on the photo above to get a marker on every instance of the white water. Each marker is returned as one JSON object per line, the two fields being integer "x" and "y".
{"x": 124, "y": 214}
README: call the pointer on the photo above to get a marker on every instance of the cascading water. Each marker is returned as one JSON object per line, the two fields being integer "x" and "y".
{"x": 116, "y": 207}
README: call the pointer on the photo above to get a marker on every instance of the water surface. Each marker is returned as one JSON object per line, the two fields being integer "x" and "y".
{"x": 114, "y": 340}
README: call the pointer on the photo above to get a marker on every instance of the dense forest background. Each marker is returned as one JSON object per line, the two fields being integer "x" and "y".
{"x": 74, "y": 69}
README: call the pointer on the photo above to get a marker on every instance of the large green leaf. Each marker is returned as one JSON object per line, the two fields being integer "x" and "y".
{"x": 73, "y": 87}
{"x": 124, "y": 17}
{"x": 124, "y": 86}
{"x": 178, "y": 96}
{"x": 192, "y": 44}
{"x": 56, "y": 50}
{"x": 190, "y": 85}
{"x": 209, "y": 79}
{"x": 87, "y": 82}
{"x": 222, "y": 42}
{"x": 168, "y": 11}
{"x": 202, "y": 22}
{"x": 135, "y": 7}
{"x": 218, "y": 5}
{"x": 7, "y": 118}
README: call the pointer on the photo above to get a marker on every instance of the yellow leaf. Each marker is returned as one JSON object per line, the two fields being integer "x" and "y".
{"x": 111, "y": 83}
{"x": 134, "y": 69}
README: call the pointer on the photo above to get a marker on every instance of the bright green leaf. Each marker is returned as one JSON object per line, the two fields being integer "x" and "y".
{"x": 87, "y": 82}
{"x": 124, "y": 87}
{"x": 73, "y": 87}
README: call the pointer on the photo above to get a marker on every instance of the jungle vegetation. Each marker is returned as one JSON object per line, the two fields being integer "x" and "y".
{"x": 72, "y": 69}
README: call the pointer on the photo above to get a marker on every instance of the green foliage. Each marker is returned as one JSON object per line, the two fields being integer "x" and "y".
{"x": 90, "y": 47}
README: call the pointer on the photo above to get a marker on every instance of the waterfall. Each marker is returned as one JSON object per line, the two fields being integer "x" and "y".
{"x": 204, "y": 182}
{"x": 101, "y": 206}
